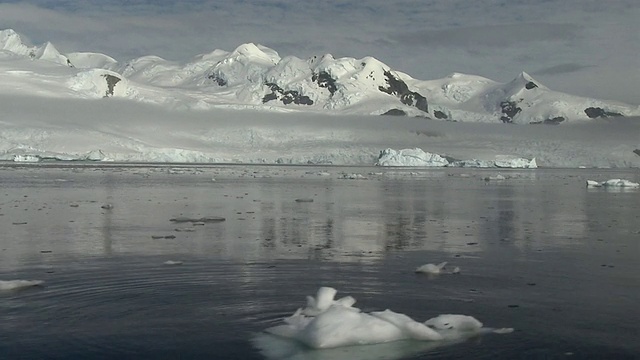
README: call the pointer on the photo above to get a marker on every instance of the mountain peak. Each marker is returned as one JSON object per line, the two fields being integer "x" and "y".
{"x": 11, "y": 41}
{"x": 256, "y": 52}
{"x": 524, "y": 79}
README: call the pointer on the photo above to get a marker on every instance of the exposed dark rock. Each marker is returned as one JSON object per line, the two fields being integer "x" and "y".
{"x": 111, "y": 83}
{"x": 269, "y": 97}
{"x": 440, "y": 115}
{"x": 326, "y": 81}
{"x": 530, "y": 85}
{"x": 554, "y": 121}
{"x": 637, "y": 152}
{"x": 287, "y": 97}
{"x": 218, "y": 80}
{"x": 596, "y": 112}
{"x": 509, "y": 110}
{"x": 395, "y": 112}
{"x": 69, "y": 64}
{"x": 400, "y": 89}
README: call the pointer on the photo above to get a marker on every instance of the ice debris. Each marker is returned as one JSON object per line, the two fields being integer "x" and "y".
{"x": 6, "y": 285}
{"x": 328, "y": 323}
{"x": 613, "y": 183}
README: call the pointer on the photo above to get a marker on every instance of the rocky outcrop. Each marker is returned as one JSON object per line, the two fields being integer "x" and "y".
{"x": 218, "y": 80}
{"x": 553, "y": 121}
{"x": 286, "y": 96}
{"x": 596, "y": 112}
{"x": 509, "y": 110}
{"x": 400, "y": 89}
{"x": 111, "y": 83}
{"x": 440, "y": 115}
{"x": 324, "y": 80}
{"x": 395, "y": 112}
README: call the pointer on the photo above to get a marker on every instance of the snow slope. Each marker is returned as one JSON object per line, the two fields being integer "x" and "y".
{"x": 88, "y": 106}
{"x": 257, "y": 77}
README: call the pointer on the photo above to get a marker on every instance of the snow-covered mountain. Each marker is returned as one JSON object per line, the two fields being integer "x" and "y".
{"x": 256, "y": 77}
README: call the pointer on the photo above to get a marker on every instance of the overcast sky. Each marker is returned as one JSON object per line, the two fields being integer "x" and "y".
{"x": 583, "y": 47}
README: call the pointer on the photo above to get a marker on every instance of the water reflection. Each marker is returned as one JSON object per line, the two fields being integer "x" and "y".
{"x": 348, "y": 220}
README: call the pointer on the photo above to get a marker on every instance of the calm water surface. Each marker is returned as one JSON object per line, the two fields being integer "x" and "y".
{"x": 538, "y": 252}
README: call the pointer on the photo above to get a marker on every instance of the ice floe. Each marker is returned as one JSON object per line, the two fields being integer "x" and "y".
{"x": 431, "y": 268}
{"x": 614, "y": 183}
{"x": 6, "y": 285}
{"x": 327, "y": 323}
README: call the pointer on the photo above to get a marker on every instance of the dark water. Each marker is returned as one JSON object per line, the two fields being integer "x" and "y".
{"x": 538, "y": 252}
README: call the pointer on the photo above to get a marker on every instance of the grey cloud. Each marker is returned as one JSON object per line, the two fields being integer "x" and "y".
{"x": 560, "y": 69}
{"x": 490, "y": 35}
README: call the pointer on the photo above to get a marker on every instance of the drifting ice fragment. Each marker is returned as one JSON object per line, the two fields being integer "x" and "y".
{"x": 173, "y": 262}
{"x": 613, "y": 183}
{"x": 326, "y": 323}
{"x": 431, "y": 268}
{"x": 18, "y": 284}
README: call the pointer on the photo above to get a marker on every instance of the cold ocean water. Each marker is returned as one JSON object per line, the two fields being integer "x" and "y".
{"x": 538, "y": 252}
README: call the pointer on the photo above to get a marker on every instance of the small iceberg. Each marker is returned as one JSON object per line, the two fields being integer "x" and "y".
{"x": 173, "y": 262}
{"x": 431, "y": 268}
{"x": 612, "y": 183}
{"x": 6, "y": 285}
{"x": 326, "y": 323}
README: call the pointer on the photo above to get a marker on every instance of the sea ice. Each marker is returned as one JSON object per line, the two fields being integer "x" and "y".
{"x": 431, "y": 268}
{"x": 18, "y": 284}
{"x": 613, "y": 183}
{"x": 327, "y": 323}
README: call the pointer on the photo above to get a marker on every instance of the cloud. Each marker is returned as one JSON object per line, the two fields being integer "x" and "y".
{"x": 560, "y": 69}
{"x": 426, "y": 39}
{"x": 501, "y": 35}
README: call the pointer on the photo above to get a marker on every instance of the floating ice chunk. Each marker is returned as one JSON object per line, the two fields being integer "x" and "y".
{"x": 613, "y": 183}
{"x": 431, "y": 268}
{"x": 173, "y": 262}
{"x": 18, "y": 284}
{"x": 353, "y": 176}
{"x": 326, "y": 323}
{"x": 506, "y": 161}
{"x": 323, "y": 300}
{"x": 410, "y": 328}
{"x": 591, "y": 183}
{"x": 27, "y": 158}
{"x": 495, "y": 177}
{"x": 454, "y": 322}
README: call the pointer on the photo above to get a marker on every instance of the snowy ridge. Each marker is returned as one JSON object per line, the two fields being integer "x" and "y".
{"x": 153, "y": 110}
{"x": 11, "y": 42}
{"x": 257, "y": 77}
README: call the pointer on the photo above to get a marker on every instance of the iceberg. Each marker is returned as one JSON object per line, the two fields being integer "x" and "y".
{"x": 613, "y": 183}
{"x": 326, "y": 323}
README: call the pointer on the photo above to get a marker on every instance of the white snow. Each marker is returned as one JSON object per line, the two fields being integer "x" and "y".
{"x": 327, "y": 323}
{"x": 6, "y": 285}
{"x": 161, "y": 111}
